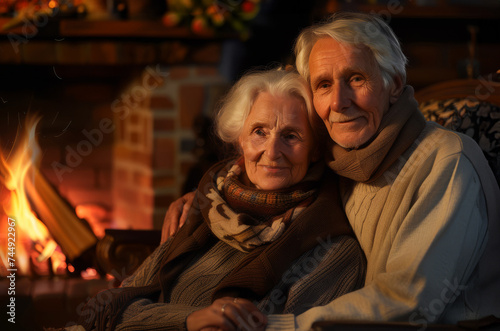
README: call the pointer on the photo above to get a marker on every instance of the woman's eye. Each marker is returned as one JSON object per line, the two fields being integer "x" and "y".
{"x": 291, "y": 137}
{"x": 357, "y": 80}
{"x": 259, "y": 132}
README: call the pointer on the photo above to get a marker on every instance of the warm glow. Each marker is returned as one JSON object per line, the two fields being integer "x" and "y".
{"x": 90, "y": 273}
{"x": 53, "y": 4}
{"x": 97, "y": 217}
{"x": 31, "y": 235}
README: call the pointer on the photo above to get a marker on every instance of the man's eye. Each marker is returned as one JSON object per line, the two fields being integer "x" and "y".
{"x": 323, "y": 85}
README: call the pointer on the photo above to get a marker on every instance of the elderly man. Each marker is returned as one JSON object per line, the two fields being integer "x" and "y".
{"x": 421, "y": 200}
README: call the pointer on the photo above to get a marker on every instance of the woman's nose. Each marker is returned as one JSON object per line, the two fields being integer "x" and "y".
{"x": 340, "y": 98}
{"x": 273, "y": 147}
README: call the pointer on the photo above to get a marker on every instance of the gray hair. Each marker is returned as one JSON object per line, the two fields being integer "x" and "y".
{"x": 357, "y": 29}
{"x": 238, "y": 102}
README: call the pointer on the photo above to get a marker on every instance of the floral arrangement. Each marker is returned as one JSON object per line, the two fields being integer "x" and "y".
{"x": 38, "y": 12}
{"x": 209, "y": 17}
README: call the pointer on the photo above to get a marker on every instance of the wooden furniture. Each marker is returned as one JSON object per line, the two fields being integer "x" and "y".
{"x": 483, "y": 89}
{"x": 487, "y": 323}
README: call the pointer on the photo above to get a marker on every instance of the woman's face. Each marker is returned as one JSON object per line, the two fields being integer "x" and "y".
{"x": 277, "y": 142}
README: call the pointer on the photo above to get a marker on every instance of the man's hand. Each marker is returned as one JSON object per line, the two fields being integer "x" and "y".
{"x": 176, "y": 215}
{"x": 227, "y": 314}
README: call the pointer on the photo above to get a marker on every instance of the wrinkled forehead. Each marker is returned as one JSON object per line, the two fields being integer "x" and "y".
{"x": 330, "y": 56}
{"x": 278, "y": 110}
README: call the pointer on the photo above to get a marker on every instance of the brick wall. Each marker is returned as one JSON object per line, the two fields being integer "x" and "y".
{"x": 153, "y": 143}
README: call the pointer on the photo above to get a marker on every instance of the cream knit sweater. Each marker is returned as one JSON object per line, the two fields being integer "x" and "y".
{"x": 430, "y": 229}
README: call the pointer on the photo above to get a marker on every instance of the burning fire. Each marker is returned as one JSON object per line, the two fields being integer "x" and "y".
{"x": 33, "y": 242}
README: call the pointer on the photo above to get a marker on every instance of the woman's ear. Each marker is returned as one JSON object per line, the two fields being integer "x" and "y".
{"x": 238, "y": 147}
{"x": 396, "y": 89}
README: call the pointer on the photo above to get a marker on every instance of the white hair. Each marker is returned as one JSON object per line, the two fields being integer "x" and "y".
{"x": 356, "y": 29}
{"x": 238, "y": 102}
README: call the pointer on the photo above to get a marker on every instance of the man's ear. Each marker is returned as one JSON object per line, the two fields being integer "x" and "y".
{"x": 396, "y": 89}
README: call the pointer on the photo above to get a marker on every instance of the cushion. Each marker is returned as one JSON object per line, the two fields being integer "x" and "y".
{"x": 477, "y": 119}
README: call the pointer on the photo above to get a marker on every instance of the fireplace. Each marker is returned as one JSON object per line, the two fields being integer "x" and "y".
{"x": 115, "y": 135}
{"x": 117, "y": 131}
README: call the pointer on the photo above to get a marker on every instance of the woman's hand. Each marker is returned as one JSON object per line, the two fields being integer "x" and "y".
{"x": 227, "y": 314}
{"x": 176, "y": 215}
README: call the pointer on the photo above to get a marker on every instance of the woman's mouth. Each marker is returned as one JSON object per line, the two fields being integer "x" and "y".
{"x": 273, "y": 169}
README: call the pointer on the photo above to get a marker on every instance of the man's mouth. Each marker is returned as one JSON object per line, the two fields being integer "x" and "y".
{"x": 343, "y": 119}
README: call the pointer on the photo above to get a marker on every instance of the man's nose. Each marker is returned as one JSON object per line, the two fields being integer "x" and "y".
{"x": 340, "y": 98}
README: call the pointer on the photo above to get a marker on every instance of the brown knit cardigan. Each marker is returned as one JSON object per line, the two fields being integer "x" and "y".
{"x": 257, "y": 273}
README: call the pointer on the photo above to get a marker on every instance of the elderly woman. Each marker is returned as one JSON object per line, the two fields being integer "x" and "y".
{"x": 266, "y": 228}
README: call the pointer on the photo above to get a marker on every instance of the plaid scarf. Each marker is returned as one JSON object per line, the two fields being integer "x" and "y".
{"x": 246, "y": 217}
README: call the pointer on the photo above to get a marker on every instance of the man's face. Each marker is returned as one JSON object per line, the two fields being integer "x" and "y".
{"x": 349, "y": 93}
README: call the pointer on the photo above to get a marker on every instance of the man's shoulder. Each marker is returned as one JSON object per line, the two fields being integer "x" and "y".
{"x": 436, "y": 150}
{"x": 446, "y": 142}
{"x": 439, "y": 143}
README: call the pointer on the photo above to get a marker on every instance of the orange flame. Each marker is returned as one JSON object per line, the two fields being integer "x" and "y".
{"x": 31, "y": 235}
